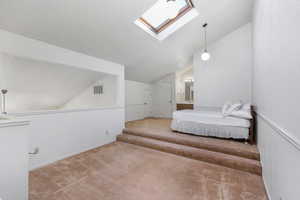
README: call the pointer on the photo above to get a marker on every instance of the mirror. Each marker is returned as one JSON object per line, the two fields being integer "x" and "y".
{"x": 185, "y": 86}
{"x": 189, "y": 90}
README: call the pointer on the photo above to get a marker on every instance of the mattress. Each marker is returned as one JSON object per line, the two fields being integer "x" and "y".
{"x": 210, "y": 123}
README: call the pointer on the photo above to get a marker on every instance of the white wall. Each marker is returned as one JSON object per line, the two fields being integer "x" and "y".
{"x": 87, "y": 99}
{"x": 136, "y": 95}
{"x": 227, "y": 75}
{"x": 37, "y": 85}
{"x": 276, "y": 94}
{"x": 280, "y": 158}
{"x": 63, "y": 133}
{"x": 14, "y": 159}
{"x": 157, "y": 95}
{"x": 20, "y": 46}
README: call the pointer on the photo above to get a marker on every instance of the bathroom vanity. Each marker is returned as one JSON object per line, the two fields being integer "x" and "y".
{"x": 184, "y": 106}
{"x": 14, "y": 159}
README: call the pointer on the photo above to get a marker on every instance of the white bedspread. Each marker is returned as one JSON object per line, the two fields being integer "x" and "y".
{"x": 210, "y": 123}
{"x": 210, "y": 117}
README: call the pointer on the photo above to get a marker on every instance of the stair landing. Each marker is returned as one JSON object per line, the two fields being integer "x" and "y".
{"x": 156, "y": 134}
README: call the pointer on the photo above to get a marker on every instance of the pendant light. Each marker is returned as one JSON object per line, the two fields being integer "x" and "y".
{"x": 171, "y": 9}
{"x": 205, "y": 56}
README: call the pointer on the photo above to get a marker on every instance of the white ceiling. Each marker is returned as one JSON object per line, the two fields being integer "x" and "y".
{"x": 106, "y": 29}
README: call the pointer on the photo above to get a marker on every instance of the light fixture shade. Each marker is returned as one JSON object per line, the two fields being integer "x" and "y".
{"x": 205, "y": 56}
{"x": 171, "y": 9}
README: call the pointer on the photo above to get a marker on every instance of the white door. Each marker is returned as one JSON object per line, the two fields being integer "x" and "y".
{"x": 162, "y": 97}
{"x": 138, "y": 101}
{"x": 147, "y": 102}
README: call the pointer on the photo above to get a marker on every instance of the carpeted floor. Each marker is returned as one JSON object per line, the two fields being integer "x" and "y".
{"x": 122, "y": 171}
{"x": 162, "y": 126}
{"x": 153, "y": 123}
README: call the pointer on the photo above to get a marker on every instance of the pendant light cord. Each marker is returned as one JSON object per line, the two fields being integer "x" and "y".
{"x": 205, "y": 39}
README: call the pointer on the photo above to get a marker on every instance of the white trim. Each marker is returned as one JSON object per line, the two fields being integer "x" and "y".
{"x": 266, "y": 186}
{"x": 45, "y": 112}
{"x": 282, "y": 132}
{"x": 11, "y": 123}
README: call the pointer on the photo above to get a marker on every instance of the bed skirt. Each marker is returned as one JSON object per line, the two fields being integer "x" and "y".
{"x": 201, "y": 129}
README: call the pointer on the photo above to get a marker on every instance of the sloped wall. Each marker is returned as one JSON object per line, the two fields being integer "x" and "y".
{"x": 87, "y": 98}
{"x": 38, "y": 86}
{"x": 21, "y": 46}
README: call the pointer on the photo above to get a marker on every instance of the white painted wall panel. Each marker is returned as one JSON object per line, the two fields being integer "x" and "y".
{"x": 227, "y": 75}
{"x": 281, "y": 162}
{"x": 87, "y": 98}
{"x": 277, "y": 61}
{"x": 276, "y": 94}
{"x": 60, "y": 135}
{"x": 14, "y": 161}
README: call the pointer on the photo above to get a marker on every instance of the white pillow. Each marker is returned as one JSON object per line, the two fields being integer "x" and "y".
{"x": 244, "y": 114}
{"x": 246, "y": 106}
{"x": 226, "y": 106}
{"x": 234, "y": 107}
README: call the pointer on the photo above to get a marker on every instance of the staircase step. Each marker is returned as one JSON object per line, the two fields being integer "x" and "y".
{"x": 222, "y": 159}
{"x": 211, "y": 144}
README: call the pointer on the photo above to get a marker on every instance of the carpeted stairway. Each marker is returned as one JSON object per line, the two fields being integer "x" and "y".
{"x": 221, "y": 152}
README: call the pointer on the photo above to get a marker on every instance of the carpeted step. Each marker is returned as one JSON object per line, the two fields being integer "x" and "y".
{"x": 212, "y": 144}
{"x": 222, "y": 159}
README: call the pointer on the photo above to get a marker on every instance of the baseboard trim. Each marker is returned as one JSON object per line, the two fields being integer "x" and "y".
{"x": 282, "y": 132}
{"x": 266, "y": 188}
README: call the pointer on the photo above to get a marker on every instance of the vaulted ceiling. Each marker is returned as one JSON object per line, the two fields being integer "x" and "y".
{"x": 106, "y": 29}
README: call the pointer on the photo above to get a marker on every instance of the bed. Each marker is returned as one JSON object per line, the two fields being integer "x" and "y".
{"x": 213, "y": 123}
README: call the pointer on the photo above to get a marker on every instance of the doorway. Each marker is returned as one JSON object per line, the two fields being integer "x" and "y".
{"x": 162, "y": 100}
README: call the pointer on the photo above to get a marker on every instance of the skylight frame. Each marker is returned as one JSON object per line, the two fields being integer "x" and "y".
{"x": 169, "y": 22}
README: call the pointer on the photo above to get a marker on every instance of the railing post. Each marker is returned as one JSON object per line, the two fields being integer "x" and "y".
{"x": 3, "y": 105}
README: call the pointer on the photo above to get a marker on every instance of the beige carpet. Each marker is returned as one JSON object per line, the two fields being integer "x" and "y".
{"x": 123, "y": 171}
{"x": 153, "y": 123}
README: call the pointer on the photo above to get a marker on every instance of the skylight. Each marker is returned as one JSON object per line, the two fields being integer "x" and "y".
{"x": 166, "y": 16}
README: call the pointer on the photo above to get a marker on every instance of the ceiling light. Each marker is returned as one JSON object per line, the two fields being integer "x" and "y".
{"x": 171, "y": 9}
{"x": 205, "y": 56}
